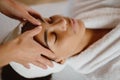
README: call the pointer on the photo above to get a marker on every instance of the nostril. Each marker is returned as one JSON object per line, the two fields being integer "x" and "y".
{"x": 50, "y": 20}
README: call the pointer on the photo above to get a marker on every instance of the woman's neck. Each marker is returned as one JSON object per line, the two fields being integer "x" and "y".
{"x": 91, "y": 36}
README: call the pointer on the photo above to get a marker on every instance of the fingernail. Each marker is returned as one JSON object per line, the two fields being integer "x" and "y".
{"x": 40, "y": 27}
{"x": 45, "y": 67}
{"x": 38, "y": 22}
{"x": 51, "y": 65}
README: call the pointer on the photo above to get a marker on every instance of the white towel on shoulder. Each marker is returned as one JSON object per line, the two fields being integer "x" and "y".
{"x": 98, "y": 54}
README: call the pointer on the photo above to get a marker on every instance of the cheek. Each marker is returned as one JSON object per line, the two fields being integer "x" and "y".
{"x": 66, "y": 47}
{"x": 60, "y": 50}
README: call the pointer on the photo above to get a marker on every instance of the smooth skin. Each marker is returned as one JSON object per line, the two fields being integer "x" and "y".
{"x": 24, "y": 49}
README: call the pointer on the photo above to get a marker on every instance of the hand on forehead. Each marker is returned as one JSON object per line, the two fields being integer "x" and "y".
{"x": 58, "y": 34}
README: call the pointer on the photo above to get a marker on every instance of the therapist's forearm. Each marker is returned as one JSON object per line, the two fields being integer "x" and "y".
{"x": 19, "y": 11}
{"x": 4, "y": 59}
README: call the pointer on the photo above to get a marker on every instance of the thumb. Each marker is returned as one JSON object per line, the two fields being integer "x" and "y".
{"x": 35, "y": 31}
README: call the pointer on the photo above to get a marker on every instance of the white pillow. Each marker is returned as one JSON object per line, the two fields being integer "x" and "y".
{"x": 35, "y": 71}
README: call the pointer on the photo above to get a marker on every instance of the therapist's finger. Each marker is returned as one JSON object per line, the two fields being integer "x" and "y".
{"x": 47, "y": 53}
{"x": 45, "y": 61}
{"x": 25, "y": 64}
{"x": 33, "y": 32}
{"x": 40, "y": 65}
{"x": 30, "y": 10}
{"x": 34, "y": 13}
{"x": 32, "y": 19}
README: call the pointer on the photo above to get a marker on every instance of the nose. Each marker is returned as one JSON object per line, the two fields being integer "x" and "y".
{"x": 60, "y": 25}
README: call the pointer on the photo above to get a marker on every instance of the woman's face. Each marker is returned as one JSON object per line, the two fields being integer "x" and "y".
{"x": 61, "y": 35}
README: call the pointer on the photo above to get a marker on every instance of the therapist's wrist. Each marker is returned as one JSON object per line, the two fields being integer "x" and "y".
{"x": 6, "y": 53}
{"x": 3, "y": 59}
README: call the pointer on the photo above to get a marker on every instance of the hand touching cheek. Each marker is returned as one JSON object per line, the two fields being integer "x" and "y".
{"x": 24, "y": 49}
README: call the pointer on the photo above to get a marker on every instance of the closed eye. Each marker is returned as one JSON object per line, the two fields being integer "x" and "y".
{"x": 45, "y": 37}
{"x": 55, "y": 35}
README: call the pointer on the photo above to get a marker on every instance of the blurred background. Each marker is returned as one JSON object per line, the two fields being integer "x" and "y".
{"x": 35, "y": 2}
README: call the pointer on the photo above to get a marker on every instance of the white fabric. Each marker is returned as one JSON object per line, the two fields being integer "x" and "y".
{"x": 98, "y": 54}
{"x": 101, "y": 60}
{"x": 6, "y": 26}
{"x": 96, "y": 13}
{"x": 35, "y": 71}
{"x": 103, "y": 57}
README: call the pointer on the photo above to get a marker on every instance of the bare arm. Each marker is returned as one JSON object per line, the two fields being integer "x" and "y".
{"x": 16, "y": 10}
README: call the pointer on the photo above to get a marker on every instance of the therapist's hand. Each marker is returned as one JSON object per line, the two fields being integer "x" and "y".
{"x": 18, "y": 11}
{"x": 25, "y": 50}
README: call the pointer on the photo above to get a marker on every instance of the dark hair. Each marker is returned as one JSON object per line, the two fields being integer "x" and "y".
{"x": 9, "y": 74}
{"x": 27, "y": 26}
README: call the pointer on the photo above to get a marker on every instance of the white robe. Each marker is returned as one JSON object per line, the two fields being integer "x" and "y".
{"x": 100, "y": 61}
